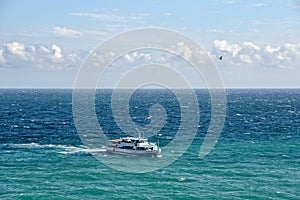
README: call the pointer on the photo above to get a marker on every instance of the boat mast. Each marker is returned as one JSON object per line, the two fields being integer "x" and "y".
{"x": 139, "y": 132}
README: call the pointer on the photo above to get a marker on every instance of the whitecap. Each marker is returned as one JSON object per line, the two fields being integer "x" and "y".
{"x": 181, "y": 179}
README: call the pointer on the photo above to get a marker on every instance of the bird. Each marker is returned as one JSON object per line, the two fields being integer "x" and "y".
{"x": 221, "y": 57}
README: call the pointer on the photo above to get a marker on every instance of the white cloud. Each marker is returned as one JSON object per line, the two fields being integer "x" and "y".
{"x": 17, "y": 54}
{"x": 66, "y": 32}
{"x": 52, "y": 57}
{"x": 183, "y": 50}
{"x": 17, "y": 49}
{"x": 223, "y": 45}
{"x": 99, "y": 16}
{"x": 2, "y": 59}
{"x": 129, "y": 58}
{"x": 245, "y": 58}
{"x": 229, "y": 1}
{"x": 258, "y": 57}
{"x": 138, "y": 57}
{"x": 284, "y": 56}
{"x": 135, "y": 17}
{"x": 251, "y": 45}
{"x": 259, "y": 5}
{"x": 56, "y": 56}
{"x": 270, "y": 49}
{"x": 44, "y": 49}
{"x": 216, "y": 31}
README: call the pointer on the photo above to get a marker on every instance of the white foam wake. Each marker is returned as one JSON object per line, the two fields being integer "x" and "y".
{"x": 61, "y": 149}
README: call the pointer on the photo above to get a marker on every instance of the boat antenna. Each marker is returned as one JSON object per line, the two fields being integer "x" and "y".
{"x": 139, "y": 132}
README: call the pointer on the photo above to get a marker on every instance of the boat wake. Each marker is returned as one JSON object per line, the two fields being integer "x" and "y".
{"x": 62, "y": 149}
{"x": 58, "y": 148}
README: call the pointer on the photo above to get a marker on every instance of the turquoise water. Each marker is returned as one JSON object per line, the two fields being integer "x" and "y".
{"x": 256, "y": 157}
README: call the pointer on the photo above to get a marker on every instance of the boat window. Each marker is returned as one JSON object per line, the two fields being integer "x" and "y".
{"x": 127, "y": 147}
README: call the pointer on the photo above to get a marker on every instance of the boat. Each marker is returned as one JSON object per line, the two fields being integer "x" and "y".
{"x": 133, "y": 146}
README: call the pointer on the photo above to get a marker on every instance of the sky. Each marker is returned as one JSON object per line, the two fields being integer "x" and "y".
{"x": 44, "y": 43}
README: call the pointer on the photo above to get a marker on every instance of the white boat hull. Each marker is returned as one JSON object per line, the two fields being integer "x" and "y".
{"x": 119, "y": 151}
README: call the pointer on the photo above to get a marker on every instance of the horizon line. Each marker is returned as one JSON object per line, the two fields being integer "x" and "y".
{"x": 110, "y": 88}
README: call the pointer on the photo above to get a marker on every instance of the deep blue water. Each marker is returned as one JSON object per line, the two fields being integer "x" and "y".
{"x": 257, "y": 155}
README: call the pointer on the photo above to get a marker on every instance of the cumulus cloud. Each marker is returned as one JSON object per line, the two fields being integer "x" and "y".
{"x": 56, "y": 54}
{"x": 52, "y": 57}
{"x": 2, "y": 59}
{"x": 129, "y": 58}
{"x": 183, "y": 50}
{"x": 282, "y": 56}
{"x": 17, "y": 54}
{"x": 66, "y": 32}
{"x": 270, "y": 49}
{"x": 223, "y": 45}
{"x": 17, "y": 49}
{"x": 136, "y": 56}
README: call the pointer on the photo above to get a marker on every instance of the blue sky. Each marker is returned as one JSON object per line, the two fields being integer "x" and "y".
{"x": 42, "y": 44}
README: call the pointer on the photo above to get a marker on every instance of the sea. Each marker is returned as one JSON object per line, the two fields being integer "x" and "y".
{"x": 257, "y": 155}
